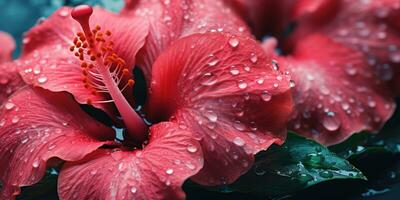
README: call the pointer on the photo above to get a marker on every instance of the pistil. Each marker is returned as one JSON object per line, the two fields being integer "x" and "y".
{"x": 104, "y": 71}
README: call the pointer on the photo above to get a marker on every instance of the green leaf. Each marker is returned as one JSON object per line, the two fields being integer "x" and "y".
{"x": 297, "y": 165}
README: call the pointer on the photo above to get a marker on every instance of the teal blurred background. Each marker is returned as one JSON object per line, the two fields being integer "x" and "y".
{"x": 17, "y": 16}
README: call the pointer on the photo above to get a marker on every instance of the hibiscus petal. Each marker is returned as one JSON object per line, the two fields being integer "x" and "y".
{"x": 10, "y": 80}
{"x": 156, "y": 172}
{"x": 170, "y": 20}
{"x": 265, "y": 16}
{"x": 7, "y": 47}
{"x": 365, "y": 26}
{"x": 336, "y": 93}
{"x": 228, "y": 93}
{"x": 37, "y": 125}
{"x": 47, "y": 61}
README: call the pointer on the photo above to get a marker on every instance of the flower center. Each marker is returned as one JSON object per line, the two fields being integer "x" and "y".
{"x": 104, "y": 72}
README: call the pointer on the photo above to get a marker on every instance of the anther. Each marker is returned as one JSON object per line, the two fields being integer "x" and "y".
{"x": 131, "y": 83}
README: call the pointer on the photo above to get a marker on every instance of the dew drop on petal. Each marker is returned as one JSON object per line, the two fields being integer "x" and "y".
{"x": 275, "y": 65}
{"x": 15, "y": 119}
{"x": 213, "y": 62}
{"x": 169, "y": 171}
{"x": 234, "y": 71}
{"x": 331, "y": 122}
{"x": 239, "y": 126}
{"x": 238, "y": 141}
{"x": 292, "y": 84}
{"x": 242, "y": 84}
{"x": 211, "y": 116}
{"x": 42, "y": 79}
{"x": 253, "y": 58}
{"x": 266, "y": 96}
{"x": 9, "y": 105}
{"x": 192, "y": 148}
{"x": 35, "y": 164}
{"x": 234, "y": 42}
{"x": 64, "y": 13}
{"x": 24, "y": 140}
{"x": 133, "y": 190}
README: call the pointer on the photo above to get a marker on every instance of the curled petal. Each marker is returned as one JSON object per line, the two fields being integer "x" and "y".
{"x": 47, "y": 61}
{"x": 36, "y": 126}
{"x": 228, "y": 93}
{"x": 336, "y": 93}
{"x": 171, "y": 20}
{"x": 7, "y": 47}
{"x": 156, "y": 172}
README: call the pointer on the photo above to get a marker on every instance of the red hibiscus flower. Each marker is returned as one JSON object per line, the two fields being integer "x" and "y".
{"x": 344, "y": 58}
{"x": 212, "y": 105}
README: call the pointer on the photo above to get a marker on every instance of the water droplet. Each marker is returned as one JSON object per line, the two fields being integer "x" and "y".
{"x": 292, "y": 84}
{"x": 395, "y": 57}
{"x": 326, "y": 174}
{"x": 234, "y": 42}
{"x": 93, "y": 172}
{"x": 371, "y": 103}
{"x": 15, "y": 119}
{"x": 190, "y": 165}
{"x": 239, "y": 126}
{"x": 64, "y": 13}
{"x": 37, "y": 69}
{"x": 35, "y": 164}
{"x": 169, "y": 171}
{"x": 304, "y": 177}
{"x": 208, "y": 79}
{"x": 42, "y": 79}
{"x": 315, "y": 158}
{"x": 253, "y": 58}
{"x": 213, "y": 62}
{"x": 211, "y": 116}
{"x": 192, "y": 148}
{"x": 275, "y": 65}
{"x": 351, "y": 70}
{"x": 24, "y": 140}
{"x": 2, "y": 122}
{"x": 259, "y": 170}
{"x": 242, "y": 84}
{"x": 331, "y": 122}
{"x": 9, "y": 105}
{"x": 238, "y": 141}
{"x": 133, "y": 189}
{"x": 266, "y": 96}
{"x": 260, "y": 81}
{"x": 234, "y": 71}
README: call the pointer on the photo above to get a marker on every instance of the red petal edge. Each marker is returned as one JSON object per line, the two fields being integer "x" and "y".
{"x": 156, "y": 172}
{"x": 37, "y": 125}
{"x": 336, "y": 92}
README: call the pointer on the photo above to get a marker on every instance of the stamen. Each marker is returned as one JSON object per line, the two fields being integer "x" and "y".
{"x": 103, "y": 70}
